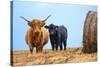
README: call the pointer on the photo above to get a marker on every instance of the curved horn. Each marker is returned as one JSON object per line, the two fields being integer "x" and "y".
{"x": 46, "y": 18}
{"x": 24, "y": 18}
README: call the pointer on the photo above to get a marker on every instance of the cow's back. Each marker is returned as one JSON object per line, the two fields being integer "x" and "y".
{"x": 63, "y": 32}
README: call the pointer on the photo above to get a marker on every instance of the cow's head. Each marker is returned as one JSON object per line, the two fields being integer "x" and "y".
{"x": 52, "y": 29}
{"x": 36, "y": 24}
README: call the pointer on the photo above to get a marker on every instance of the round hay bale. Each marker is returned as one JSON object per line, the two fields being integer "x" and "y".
{"x": 90, "y": 33}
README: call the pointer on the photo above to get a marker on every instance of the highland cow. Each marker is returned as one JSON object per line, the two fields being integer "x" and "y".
{"x": 36, "y": 35}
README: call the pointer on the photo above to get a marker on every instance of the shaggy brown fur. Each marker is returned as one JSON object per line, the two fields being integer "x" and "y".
{"x": 36, "y": 35}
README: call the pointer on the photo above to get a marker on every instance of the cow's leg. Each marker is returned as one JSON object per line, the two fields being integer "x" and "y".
{"x": 61, "y": 46}
{"x": 31, "y": 49}
{"x": 52, "y": 45}
{"x": 64, "y": 45}
{"x": 56, "y": 47}
{"x": 37, "y": 50}
{"x": 41, "y": 48}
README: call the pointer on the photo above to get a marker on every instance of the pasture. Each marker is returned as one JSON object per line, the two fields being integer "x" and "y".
{"x": 70, "y": 55}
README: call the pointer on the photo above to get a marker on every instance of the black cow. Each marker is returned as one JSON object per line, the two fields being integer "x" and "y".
{"x": 58, "y": 35}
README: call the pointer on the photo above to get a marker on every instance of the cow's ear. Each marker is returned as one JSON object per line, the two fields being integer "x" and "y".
{"x": 46, "y": 26}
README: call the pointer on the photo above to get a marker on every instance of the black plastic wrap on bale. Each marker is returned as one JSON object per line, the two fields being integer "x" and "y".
{"x": 90, "y": 33}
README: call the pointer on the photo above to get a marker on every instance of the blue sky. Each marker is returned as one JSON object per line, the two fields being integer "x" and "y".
{"x": 70, "y": 15}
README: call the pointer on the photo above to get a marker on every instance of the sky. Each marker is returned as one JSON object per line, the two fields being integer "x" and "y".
{"x": 72, "y": 16}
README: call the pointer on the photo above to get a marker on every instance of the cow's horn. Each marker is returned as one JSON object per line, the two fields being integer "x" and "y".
{"x": 46, "y": 18}
{"x": 24, "y": 18}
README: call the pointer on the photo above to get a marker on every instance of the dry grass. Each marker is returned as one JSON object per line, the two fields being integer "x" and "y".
{"x": 71, "y": 55}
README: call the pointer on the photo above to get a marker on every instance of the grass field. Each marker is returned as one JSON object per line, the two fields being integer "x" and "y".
{"x": 70, "y": 55}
